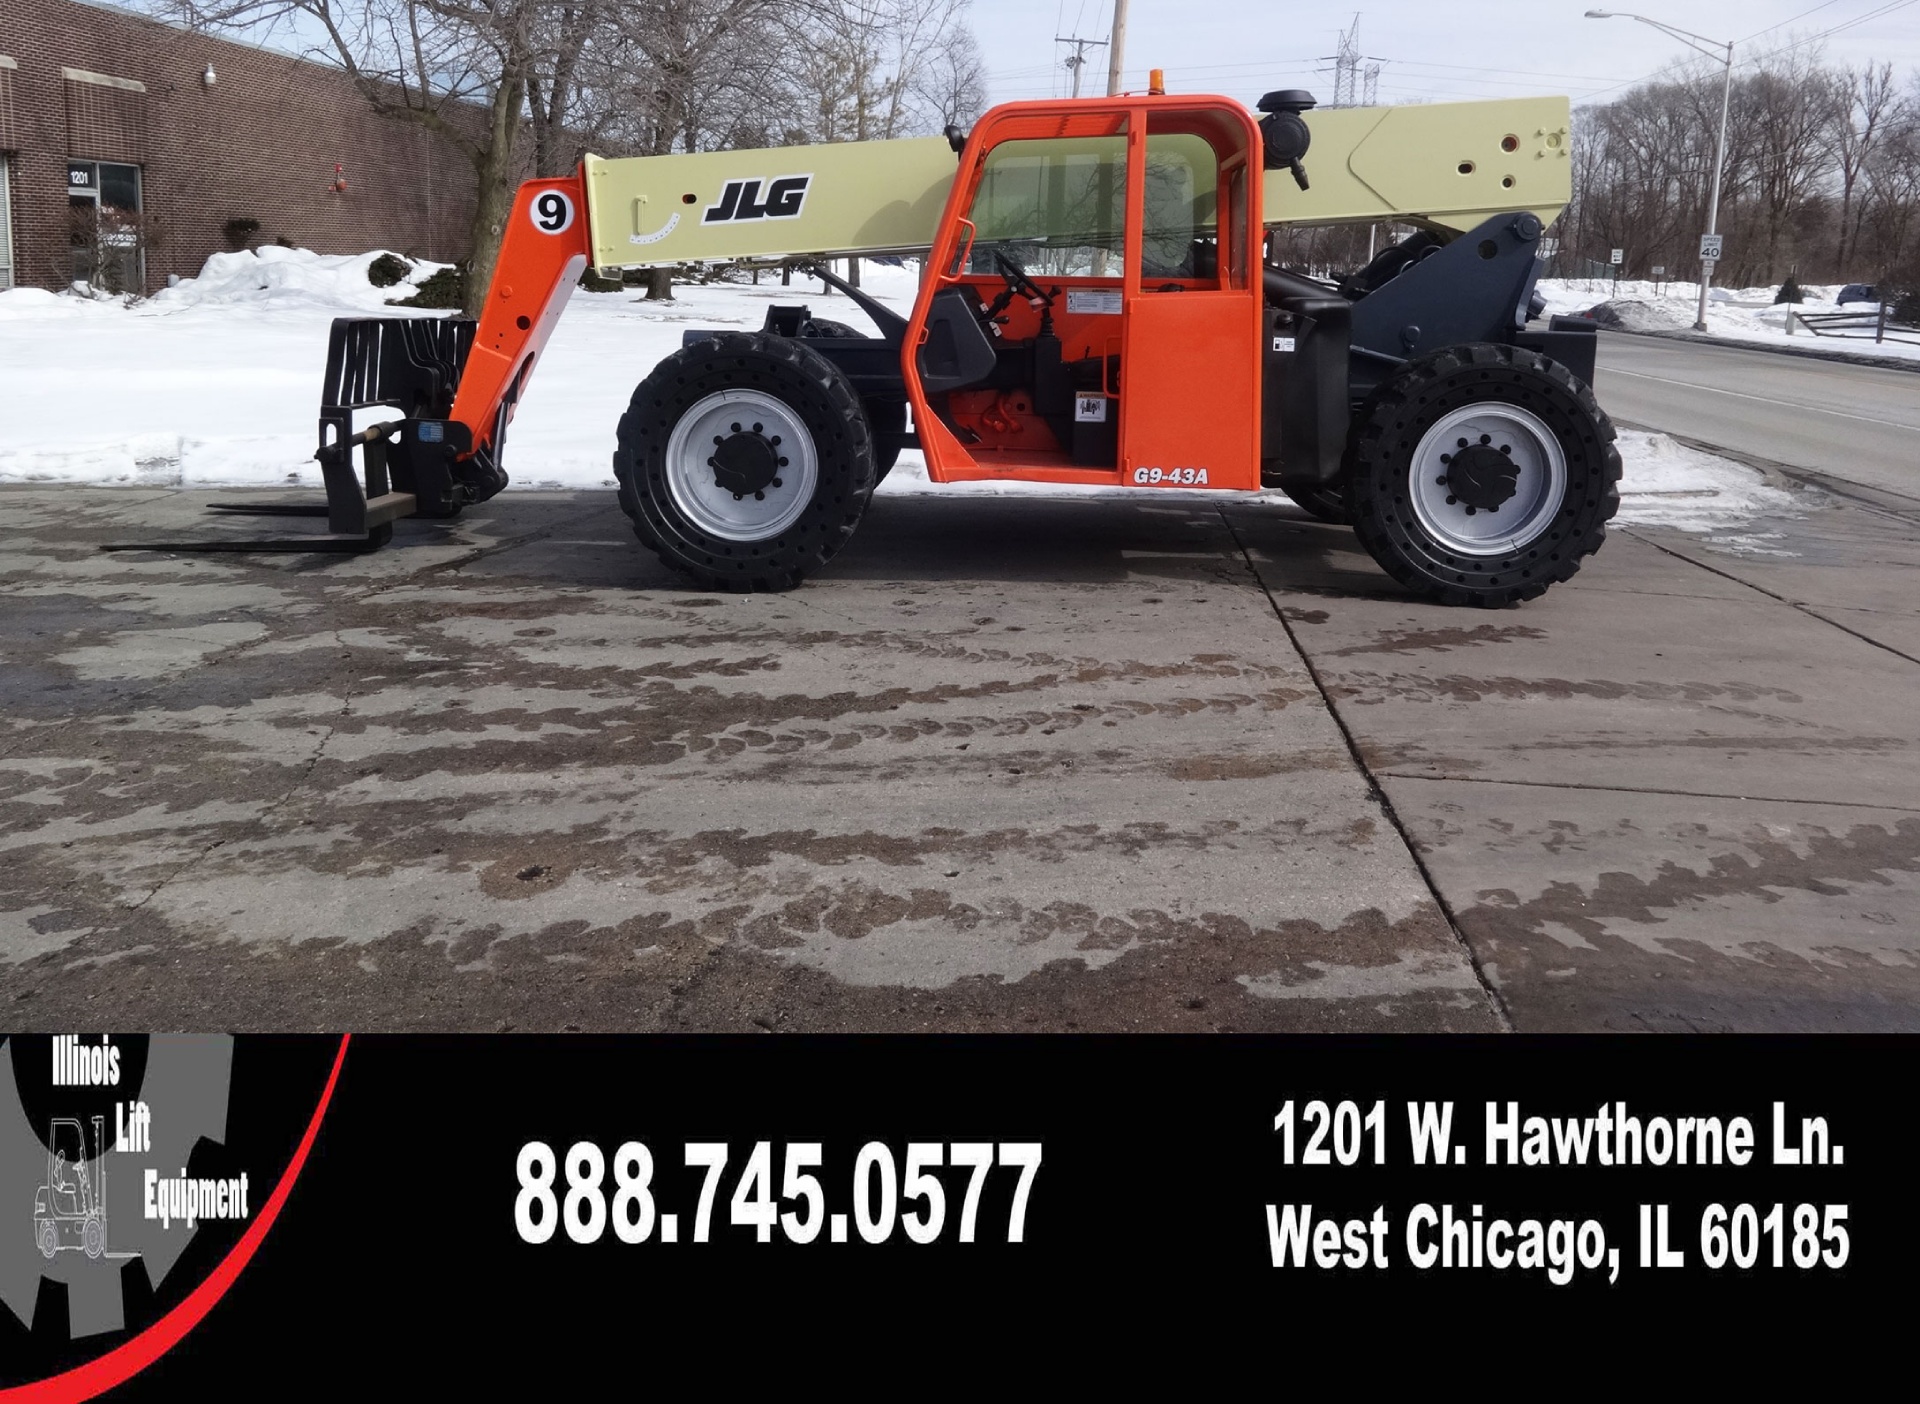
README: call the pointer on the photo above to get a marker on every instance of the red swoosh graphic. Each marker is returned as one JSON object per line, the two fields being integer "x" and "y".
{"x": 129, "y": 1358}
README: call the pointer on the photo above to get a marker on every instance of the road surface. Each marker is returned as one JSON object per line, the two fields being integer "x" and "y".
{"x": 1858, "y": 423}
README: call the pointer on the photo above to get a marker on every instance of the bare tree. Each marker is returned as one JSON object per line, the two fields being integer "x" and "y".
{"x": 872, "y": 65}
{"x": 1789, "y": 106}
{"x": 1817, "y": 170}
{"x": 1869, "y": 100}
{"x": 951, "y": 85}
{"x": 565, "y": 120}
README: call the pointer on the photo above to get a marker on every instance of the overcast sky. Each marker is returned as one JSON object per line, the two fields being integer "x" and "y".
{"x": 1431, "y": 50}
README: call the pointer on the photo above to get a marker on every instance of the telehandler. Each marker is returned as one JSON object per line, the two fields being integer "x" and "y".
{"x": 1096, "y": 307}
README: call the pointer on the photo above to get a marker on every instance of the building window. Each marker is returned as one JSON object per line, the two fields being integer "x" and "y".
{"x": 103, "y": 198}
{"x": 6, "y": 228}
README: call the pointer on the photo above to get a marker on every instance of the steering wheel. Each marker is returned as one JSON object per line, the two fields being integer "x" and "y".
{"x": 1018, "y": 281}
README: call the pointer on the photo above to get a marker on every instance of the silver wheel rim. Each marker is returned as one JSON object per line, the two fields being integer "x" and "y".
{"x": 716, "y": 510}
{"x": 1540, "y": 486}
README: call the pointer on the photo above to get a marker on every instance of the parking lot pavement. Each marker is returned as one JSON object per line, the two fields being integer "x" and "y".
{"x": 1682, "y": 793}
{"x": 1029, "y": 764}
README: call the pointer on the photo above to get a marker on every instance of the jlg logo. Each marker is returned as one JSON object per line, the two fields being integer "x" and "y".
{"x": 741, "y": 200}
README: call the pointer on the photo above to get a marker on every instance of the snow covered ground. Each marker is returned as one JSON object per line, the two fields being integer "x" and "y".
{"x": 215, "y": 382}
{"x": 1738, "y": 314}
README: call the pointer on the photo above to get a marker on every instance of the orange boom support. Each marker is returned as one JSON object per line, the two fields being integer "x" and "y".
{"x": 542, "y": 256}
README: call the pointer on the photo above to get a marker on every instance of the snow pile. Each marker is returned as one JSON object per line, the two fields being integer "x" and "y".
{"x": 1666, "y": 483}
{"x": 37, "y": 304}
{"x": 277, "y": 277}
{"x": 1738, "y": 314}
{"x": 216, "y": 383}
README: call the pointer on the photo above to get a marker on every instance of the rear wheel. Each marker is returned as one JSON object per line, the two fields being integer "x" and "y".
{"x": 744, "y": 461}
{"x": 1482, "y": 474}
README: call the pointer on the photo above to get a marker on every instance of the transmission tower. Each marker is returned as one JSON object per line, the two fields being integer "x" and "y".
{"x": 1354, "y": 86}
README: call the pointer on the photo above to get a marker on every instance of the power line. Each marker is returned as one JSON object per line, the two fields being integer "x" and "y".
{"x": 1824, "y": 4}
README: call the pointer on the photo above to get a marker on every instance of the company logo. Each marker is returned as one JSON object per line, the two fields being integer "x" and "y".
{"x": 96, "y": 1136}
{"x": 741, "y": 201}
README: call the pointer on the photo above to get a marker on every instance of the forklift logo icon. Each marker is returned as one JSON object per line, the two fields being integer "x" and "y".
{"x": 741, "y": 201}
{"x": 70, "y": 1206}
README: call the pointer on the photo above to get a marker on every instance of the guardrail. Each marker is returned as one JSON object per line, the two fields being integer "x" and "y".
{"x": 1855, "y": 326}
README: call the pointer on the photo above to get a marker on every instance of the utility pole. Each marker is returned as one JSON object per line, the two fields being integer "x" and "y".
{"x": 1079, "y": 59}
{"x": 1116, "y": 47}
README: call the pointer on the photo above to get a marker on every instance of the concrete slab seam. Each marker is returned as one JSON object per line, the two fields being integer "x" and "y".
{"x": 1374, "y": 791}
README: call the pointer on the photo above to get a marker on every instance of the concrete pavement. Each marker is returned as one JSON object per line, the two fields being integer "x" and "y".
{"x": 1164, "y": 763}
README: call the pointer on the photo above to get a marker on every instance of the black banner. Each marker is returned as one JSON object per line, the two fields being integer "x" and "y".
{"x": 215, "y": 1216}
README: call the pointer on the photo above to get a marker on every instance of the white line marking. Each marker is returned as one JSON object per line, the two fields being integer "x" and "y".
{"x": 1763, "y": 399}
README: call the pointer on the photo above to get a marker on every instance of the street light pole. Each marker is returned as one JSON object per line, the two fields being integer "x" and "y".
{"x": 1695, "y": 42}
{"x": 1713, "y": 202}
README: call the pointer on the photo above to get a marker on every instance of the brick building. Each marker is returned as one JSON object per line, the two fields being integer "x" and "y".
{"x": 167, "y": 138}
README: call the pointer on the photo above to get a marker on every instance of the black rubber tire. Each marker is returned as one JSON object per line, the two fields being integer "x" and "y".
{"x": 1325, "y": 503}
{"x": 1380, "y": 457}
{"x": 885, "y": 418}
{"x": 816, "y": 390}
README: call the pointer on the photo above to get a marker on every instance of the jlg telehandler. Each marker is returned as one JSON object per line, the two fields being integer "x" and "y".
{"x": 1095, "y": 307}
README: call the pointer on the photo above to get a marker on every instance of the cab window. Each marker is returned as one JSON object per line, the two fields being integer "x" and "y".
{"x": 1054, "y": 207}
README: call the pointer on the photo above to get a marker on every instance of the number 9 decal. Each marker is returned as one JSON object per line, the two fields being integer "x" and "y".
{"x": 552, "y": 212}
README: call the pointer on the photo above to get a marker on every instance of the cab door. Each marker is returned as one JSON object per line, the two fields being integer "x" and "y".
{"x": 1190, "y": 358}
{"x": 1091, "y": 310}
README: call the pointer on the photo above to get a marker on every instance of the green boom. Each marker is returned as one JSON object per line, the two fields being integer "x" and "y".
{"x": 1446, "y": 166}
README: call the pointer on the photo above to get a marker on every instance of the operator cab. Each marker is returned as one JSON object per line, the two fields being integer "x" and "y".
{"x": 1083, "y": 250}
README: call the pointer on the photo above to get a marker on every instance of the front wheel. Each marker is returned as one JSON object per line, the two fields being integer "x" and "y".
{"x": 1482, "y": 474}
{"x": 745, "y": 461}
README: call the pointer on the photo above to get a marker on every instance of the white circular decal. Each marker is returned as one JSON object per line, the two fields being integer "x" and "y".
{"x": 552, "y": 212}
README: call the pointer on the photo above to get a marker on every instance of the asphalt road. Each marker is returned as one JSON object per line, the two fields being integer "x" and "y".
{"x": 1857, "y": 423}
{"x": 1169, "y": 762}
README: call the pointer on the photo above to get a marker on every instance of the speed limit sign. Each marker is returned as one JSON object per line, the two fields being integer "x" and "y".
{"x": 1710, "y": 246}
